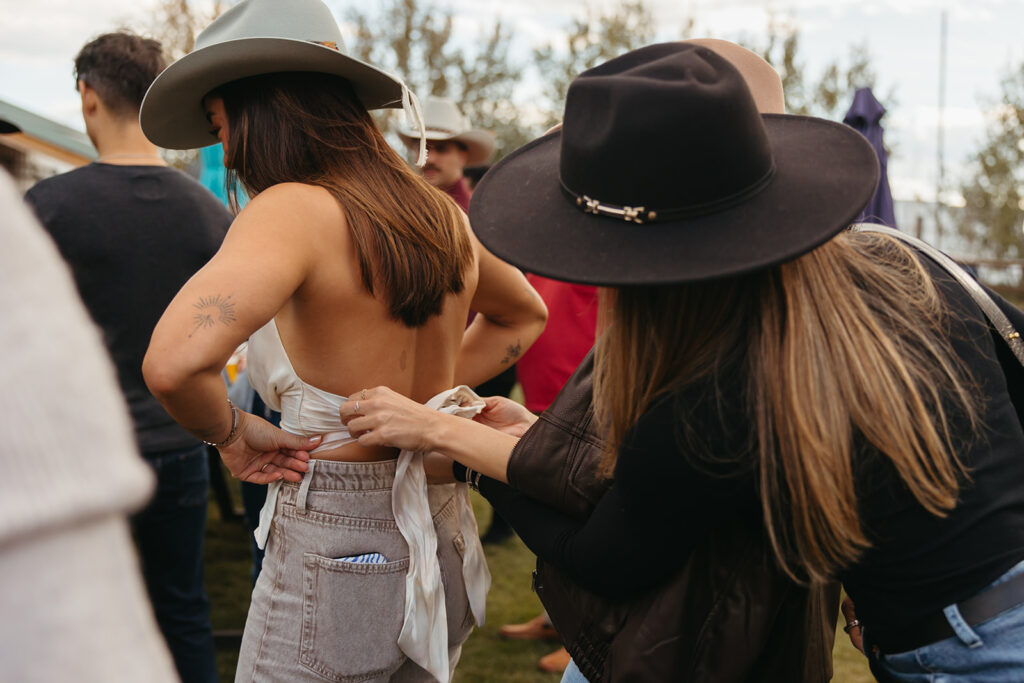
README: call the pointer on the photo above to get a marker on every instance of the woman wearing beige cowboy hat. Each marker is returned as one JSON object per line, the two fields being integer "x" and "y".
{"x": 344, "y": 270}
{"x": 835, "y": 391}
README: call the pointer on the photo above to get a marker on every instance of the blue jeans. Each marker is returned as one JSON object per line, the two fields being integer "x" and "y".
{"x": 989, "y": 652}
{"x": 169, "y": 535}
{"x": 573, "y": 675}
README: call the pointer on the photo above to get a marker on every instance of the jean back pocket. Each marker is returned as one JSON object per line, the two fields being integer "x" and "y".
{"x": 352, "y": 615}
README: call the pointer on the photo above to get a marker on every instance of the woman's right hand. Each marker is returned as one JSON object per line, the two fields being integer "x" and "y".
{"x": 262, "y": 453}
{"x": 383, "y": 417}
{"x": 852, "y": 627}
{"x": 506, "y": 416}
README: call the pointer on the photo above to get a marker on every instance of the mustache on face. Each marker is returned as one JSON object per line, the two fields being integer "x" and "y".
{"x": 430, "y": 167}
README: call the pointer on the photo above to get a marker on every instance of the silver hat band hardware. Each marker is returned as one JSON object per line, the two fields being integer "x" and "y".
{"x": 641, "y": 214}
{"x": 630, "y": 214}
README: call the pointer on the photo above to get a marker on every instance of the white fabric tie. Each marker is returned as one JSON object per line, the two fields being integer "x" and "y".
{"x": 424, "y": 637}
{"x": 262, "y": 533}
{"x": 414, "y": 117}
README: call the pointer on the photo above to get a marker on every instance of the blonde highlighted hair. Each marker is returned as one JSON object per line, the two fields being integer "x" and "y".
{"x": 847, "y": 341}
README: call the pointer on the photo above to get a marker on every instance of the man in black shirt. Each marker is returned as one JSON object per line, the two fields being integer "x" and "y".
{"x": 133, "y": 231}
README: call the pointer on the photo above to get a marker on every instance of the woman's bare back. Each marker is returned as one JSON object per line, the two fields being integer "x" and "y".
{"x": 341, "y": 339}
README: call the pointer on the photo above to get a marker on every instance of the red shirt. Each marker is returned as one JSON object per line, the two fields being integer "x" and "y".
{"x": 572, "y": 321}
{"x": 461, "y": 193}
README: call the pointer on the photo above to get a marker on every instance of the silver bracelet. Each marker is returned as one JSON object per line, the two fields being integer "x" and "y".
{"x": 234, "y": 429}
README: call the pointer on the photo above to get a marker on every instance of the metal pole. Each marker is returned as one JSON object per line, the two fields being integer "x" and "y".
{"x": 940, "y": 179}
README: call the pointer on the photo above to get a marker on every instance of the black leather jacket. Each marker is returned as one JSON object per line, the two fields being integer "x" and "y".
{"x": 728, "y": 615}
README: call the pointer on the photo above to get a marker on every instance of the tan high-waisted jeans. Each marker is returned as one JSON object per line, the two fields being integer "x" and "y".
{"x": 316, "y": 618}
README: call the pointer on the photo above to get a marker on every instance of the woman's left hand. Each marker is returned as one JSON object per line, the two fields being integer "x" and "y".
{"x": 382, "y": 417}
{"x": 262, "y": 453}
{"x": 505, "y": 415}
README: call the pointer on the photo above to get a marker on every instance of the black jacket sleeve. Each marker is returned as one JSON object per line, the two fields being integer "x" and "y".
{"x": 643, "y": 528}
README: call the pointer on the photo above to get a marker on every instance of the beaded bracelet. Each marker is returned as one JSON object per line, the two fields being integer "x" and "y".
{"x": 463, "y": 473}
{"x": 473, "y": 479}
{"x": 234, "y": 429}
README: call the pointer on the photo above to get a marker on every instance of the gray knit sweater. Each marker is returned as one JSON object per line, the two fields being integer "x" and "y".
{"x": 72, "y": 603}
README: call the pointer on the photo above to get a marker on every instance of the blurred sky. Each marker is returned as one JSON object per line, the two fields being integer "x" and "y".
{"x": 39, "y": 38}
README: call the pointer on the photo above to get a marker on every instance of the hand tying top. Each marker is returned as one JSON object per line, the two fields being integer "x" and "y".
{"x": 506, "y": 416}
{"x": 382, "y": 417}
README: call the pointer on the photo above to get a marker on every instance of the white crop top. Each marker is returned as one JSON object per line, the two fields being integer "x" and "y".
{"x": 305, "y": 410}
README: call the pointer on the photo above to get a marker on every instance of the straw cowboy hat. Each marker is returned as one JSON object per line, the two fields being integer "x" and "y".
{"x": 252, "y": 38}
{"x": 443, "y": 121}
{"x": 665, "y": 172}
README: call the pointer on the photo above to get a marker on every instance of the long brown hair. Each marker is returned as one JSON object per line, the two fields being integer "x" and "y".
{"x": 410, "y": 239}
{"x": 847, "y": 341}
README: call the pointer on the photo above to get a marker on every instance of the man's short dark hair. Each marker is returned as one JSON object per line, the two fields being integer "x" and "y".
{"x": 120, "y": 67}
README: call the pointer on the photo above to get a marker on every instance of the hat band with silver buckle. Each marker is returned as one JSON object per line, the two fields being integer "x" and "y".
{"x": 641, "y": 214}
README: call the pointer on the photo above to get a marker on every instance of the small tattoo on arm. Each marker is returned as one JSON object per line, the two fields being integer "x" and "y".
{"x": 211, "y": 310}
{"x": 512, "y": 352}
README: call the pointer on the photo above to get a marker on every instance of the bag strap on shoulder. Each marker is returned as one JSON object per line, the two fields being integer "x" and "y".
{"x": 995, "y": 316}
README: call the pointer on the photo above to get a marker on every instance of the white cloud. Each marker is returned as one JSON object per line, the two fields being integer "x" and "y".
{"x": 39, "y": 40}
{"x": 49, "y": 29}
{"x": 919, "y": 119}
{"x": 911, "y": 188}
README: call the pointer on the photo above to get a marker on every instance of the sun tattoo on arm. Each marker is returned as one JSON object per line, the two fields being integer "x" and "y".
{"x": 512, "y": 352}
{"x": 211, "y": 310}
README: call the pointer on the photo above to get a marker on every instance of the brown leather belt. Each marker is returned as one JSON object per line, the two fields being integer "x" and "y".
{"x": 975, "y": 610}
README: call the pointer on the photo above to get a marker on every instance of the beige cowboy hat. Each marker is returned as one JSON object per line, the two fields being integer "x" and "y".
{"x": 443, "y": 121}
{"x": 761, "y": 78}
{"x": 252, "y": 38}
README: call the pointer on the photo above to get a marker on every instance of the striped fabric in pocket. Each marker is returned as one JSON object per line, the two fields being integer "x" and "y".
{"x": 365, "y": 558}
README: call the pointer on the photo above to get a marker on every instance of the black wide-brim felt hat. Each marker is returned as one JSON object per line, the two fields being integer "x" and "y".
{"x": 665, "y": 172}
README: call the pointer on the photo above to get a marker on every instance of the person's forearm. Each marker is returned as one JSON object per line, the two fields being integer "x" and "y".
{"x": 476, "y": 446}
{"x": 490, "y": 347}
{"x": 199, "y": 403}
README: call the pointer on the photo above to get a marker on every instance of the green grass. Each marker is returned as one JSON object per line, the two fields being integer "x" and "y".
{"x": 485, "y": 657}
